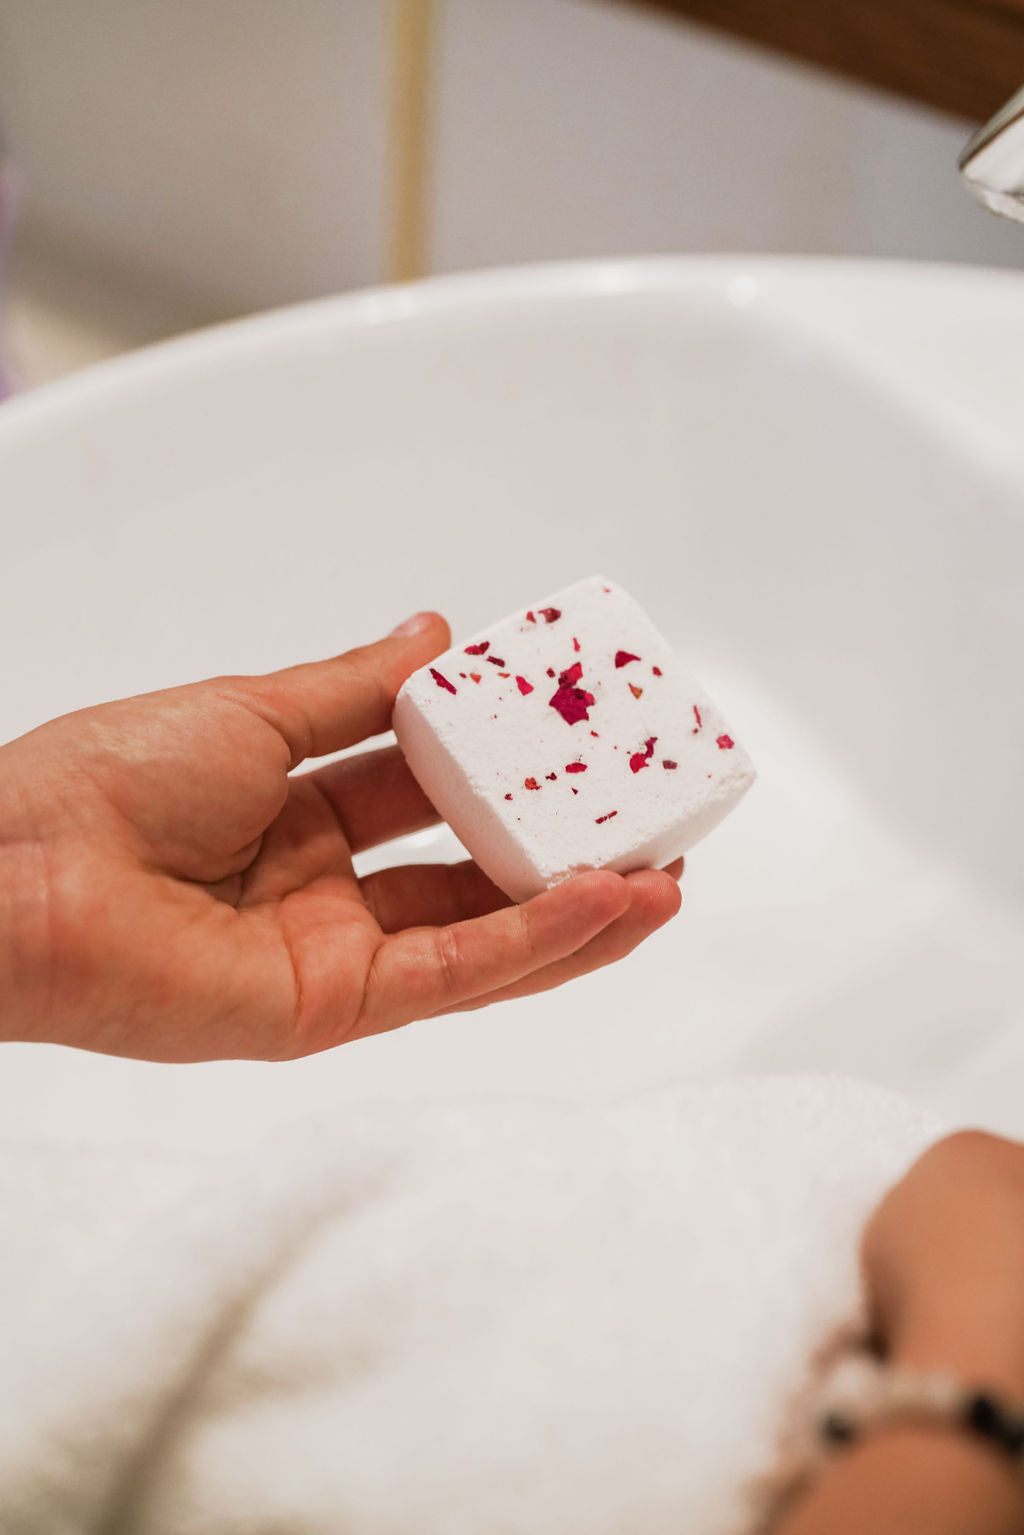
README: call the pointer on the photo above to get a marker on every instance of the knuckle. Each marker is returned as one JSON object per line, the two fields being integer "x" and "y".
{"x": 527, "y": 934}
{"x": 982, "y": 1152}
{"x": 448, "y": 960}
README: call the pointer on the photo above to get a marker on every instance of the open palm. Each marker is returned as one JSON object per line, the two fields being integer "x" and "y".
{"x": 171, "y": 889}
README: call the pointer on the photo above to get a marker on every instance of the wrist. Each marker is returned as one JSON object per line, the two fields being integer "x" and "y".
{"x": 908, "y": 1479}
{"x": 977, "y": 1338}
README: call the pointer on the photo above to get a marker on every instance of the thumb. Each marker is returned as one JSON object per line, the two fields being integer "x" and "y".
{"x": 323, "y": 706}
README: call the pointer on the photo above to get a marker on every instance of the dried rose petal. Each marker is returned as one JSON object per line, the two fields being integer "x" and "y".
{"x": 550, "y": 776}
{"x": 442, "y": 682}
{"x": 504, "y": 674}
{"x": 575, "y": 791}
{"x": 478, "y": 650}
{"x": 575, "y": 767}
{"x": 531, "y": 783}
{"x": 571, "y": 702}
{"x": 725, "y": 743}
{"x": 636, "y": 692}
{"x": 575, "y": 644}
{"x": 508, "y": 796}
{"x": 550, "y": 614}
{"x": 463, "y": 676}
{"x": 595, "y": 735}
{"x": 607, "y": 817}
{"x": 669, "y": 764}
{"x": 696, "y": 715}
{"x": 531, "y": 617}
{"x": 496, "y": 660}
{"x": 551, "y": 671}
{"x": 623, "y": 658}
{"x": 641, "y": 759}
{"x": 475, "y": 676}
{"x": 524, "y": 686}
{"x": 656, "y": 670}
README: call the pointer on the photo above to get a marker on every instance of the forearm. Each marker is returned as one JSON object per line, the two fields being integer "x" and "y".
{"x": 944, "y": 1263}
{"x": 913, "y": 1481}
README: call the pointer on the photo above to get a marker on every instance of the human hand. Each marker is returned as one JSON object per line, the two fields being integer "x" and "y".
{"x": 943, "y": 1259}
{"x": 168, "y": 891}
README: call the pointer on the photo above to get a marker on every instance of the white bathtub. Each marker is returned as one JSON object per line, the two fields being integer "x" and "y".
{"x": 811, "y": 473}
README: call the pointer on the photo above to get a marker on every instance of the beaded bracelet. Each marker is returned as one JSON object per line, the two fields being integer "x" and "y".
{"x": 861, "y": 1393}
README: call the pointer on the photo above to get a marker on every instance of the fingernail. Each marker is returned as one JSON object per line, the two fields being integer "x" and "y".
{"x": 414, "y": 625}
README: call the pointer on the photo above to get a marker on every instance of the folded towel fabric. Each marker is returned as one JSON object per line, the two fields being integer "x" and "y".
{"x": 501, "y": 1319}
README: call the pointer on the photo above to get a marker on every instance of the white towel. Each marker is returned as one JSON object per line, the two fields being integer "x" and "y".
{"x": 507, "y": 1319}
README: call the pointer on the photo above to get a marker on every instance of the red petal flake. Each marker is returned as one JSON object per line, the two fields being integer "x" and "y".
{"x": 571, "y": 702}
{"x": 551, "y": 671}
{"x": 504, "y": 674}
{"x": 636, "y": 692}
{"x": 725, "y": 743}
{"x": 623, "y": 658}
{"x": 641, "y": 759}
{"x": 550, "y": 615}
{"x": 524, "y": 686}
{"x": 463, "y": 676}
{"x": 443, "y": 682}
{"x": 575, "y": 791}
{"x": 575, "y": 767}
{"x": 669, "y": 764}
{"x": 478, "y": 650}
{"x": 475, "y": 676}
{"x": 656, "y": 670}
{"x": 532, "y": 617}
{"x": 600, "y": 818}
{"x": 496, "y": 660}
{"x": 550, "y": 776}
{"x": 531, "y": 783}
{"x": 575, "y": 644}
{"x": 696, "y": 715}
{"x": 508, "y": 796}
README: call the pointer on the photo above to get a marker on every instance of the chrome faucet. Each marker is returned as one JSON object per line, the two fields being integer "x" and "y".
{"x": 992, "y": 163}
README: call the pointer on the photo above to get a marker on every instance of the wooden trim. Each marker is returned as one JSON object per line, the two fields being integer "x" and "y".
{"x": 962, "y": 56}
{"x": 410, "y": 139}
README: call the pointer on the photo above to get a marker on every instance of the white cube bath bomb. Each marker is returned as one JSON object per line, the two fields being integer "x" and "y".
{"x": 568, "y": 737}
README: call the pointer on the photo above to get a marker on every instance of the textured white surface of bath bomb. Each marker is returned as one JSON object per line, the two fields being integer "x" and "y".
{"x": 568, "y": 737}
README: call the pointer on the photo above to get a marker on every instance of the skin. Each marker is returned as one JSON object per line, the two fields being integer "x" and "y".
{"x": 944, "y": 1264}
{"x": 171, "y": 890}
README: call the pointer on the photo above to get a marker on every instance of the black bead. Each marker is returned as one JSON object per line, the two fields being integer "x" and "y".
{"x": 835, "y": 1429}
{"x": 984, "y": 1416}
{"x": 1014, "y": 1439}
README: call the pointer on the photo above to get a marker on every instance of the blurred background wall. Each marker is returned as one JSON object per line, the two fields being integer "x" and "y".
{"x": 184, "y": 161}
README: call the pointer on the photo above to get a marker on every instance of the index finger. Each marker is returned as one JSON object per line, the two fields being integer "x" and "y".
{"x": 324, "y": 706}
